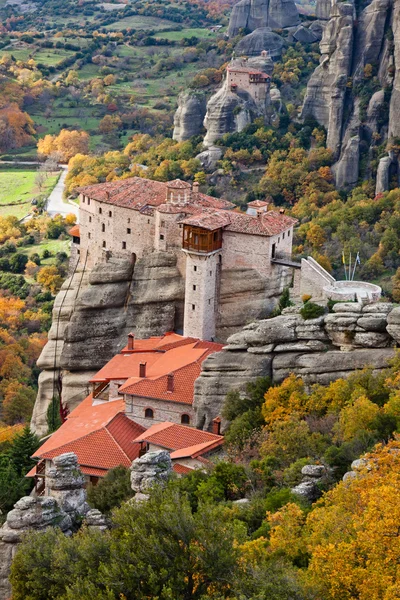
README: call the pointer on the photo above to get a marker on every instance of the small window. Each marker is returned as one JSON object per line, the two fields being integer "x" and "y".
{"x": 185, "y": 419}
{"x": 279, "y": 239}
{"x": 129, "y": 220}
{"x": 88, "y": 201}
{"x": 110, "y": 213}
{"x": 100, "y": 211}
{"x": 193, "y": 307}
{"x": 123, "y": 245}
{"x": 103, "y": 227}
{"x": 283, "y": 235}
{"x": 161, "y": 236}
{"x": 90, "y": 219}
{"x": 83, "y": 199}
{"x": 210, "y": 273}
{"x": 148, "y": 221}
{"x": 180, "y": 226}
{"x": 162, "y": 223}
{"x": 104, "y": 244}
{"x": 209, "y": 301}
{"x": 149, "y": 413}
{"x": 128, "y": 230}
{"x": 194, "y": 288}
{"x": 288, "y": 233}
{"x": 194, "y": 268}
{"x": 89, "y": 235}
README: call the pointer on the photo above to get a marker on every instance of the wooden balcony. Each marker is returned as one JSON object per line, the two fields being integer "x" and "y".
{"x": 201, "y": 240}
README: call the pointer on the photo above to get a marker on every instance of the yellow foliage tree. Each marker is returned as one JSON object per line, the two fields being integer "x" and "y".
{"x": 67, "y": 143}
{"x": 49, "y": 278}
{"x": 358, "y": 416}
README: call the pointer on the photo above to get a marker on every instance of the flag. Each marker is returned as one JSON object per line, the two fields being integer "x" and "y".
{"x": 358, "y": 261}
{"x": 343, "y": 258}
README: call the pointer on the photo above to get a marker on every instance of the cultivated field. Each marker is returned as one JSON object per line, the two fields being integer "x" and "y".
{"x": 18, "y": 189}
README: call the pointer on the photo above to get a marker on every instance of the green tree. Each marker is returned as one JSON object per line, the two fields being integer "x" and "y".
{"x": 111, "y": 491}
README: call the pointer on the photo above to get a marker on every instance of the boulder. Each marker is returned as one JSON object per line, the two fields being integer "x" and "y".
{"x": 66, "y": 483}
{"x": 314, "y": 471}
{"x": 210, "y": 157}
{"x": 393, "y": 326}
{"x": 383, "y": 174}
{"x": 261, "y": 39}
{"x": 307, "y": 490}
{"x": 96, "y": 521}
{"x": 304, "y": 35}
{"x": 317, "y": 27}
{"x": 189, "y": 116}
{"x": 153, "y": 468}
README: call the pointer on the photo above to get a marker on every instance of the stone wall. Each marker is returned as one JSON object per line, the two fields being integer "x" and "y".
{"x": 320, "y": 350}
{"x": 163, "y": 410}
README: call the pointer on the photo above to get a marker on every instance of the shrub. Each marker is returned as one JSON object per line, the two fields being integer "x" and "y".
{"x": 311, "y": 310}
{"x": 111, "y": 491}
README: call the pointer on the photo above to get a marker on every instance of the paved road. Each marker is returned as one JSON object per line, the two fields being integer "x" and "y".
{"x": 56, "y": 204}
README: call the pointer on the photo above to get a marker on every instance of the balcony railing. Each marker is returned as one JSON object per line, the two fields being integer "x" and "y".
{"x": 201, "y": 240}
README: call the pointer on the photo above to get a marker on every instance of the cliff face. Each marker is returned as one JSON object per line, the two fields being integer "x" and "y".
{"x": 252, "y": 14}
{"x": 189, "y": 116}
{"x": 319, "y": 350}
{"x": 92, "y": 316}
{"x": 342, "y": 94}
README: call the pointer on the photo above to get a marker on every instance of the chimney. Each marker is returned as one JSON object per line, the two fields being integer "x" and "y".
{"x": 107, "y": 195}
{"x": 142, "y": 369}
{"x": 170, "y": 382}
{"x": 195, "y": 187}
{"x": 131, "y": 341}
{"x": 216, "y": 426}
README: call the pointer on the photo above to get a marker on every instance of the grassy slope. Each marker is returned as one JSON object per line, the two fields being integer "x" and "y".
{"x": 17, "y": 189}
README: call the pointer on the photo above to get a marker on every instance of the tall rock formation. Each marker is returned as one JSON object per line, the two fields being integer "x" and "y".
{"x": 319, "y": 350}
{"x": 252, "y": 14}
{"x": 239, "y": 101}
{"x": 326, "y": 89}
{"x": 339, "y": 94}
{"x": 323, "y": 9}
{"x": 92, "y": 316}
{"x": 261, "y": 39}
{"x": 189, "y": 116}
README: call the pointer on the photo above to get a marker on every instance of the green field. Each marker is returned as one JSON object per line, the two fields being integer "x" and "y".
{"x": 50, "y": 57}
{"x": 53, "y": 246}
{"x": 140, "y": 22}
{"x": 176, "y": 36}
{"x": 18, "y": 188}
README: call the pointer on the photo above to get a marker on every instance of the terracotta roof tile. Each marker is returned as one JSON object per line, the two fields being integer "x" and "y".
{"x": 178, "y": 184}
{"x": 177, "y": 437}
{"x": 140, "y": 194}
{"x": 74, "y": 231}
{"x": 267, "y": 224}
{"x": 181, "y": 469}
{"x": 257, "y": 204}
{"x": 100, "y": 435}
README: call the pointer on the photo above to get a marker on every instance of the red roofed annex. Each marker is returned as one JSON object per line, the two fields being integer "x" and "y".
{"x": 141, "y": 399}
{"x": 207, "y": 236}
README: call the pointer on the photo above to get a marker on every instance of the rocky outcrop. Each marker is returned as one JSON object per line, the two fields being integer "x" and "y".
{"x": 319, "y": 350}
{"x": 326, "y": 88}
{"x": 66, "y": 483}
{"x": 189, "y": 116}
{"x": 210, "y": 157}
{"x": 92, "y": 316}
{"x": 383, "y": 174}
{"x": 351, "y": 44}
{"x": 305, "y": 35}
{"x": 96, "y": 521}
{"x": 313, "y": 476}
{"x": 238, "y": 102}
{"x": 252, "y": 14}
{"x": 394, "y": 116}
{"x": 153, "y": 468}
{"x": 323, "y": 9}
{"x": 261, "y": 39}
{"x": 63, "y": 508}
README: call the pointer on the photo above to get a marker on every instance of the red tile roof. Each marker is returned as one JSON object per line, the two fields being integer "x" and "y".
{"x": 100, "y": 435}
{"x": 181, "y": 469}
{"x": 187, "y": 440}
{"x": 74, "y": 231}
{"x": 138, "y": 193}
{"x": 267, "y": 224}
{"x": 257, "y": 203}
{"x": 184, "y": 362}
{"x": 171, "y": 354}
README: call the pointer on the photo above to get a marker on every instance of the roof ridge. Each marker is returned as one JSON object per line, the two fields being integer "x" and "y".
{"x": 116, "y": 443}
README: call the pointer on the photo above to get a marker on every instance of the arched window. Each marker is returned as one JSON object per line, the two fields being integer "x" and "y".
{"x": 185, "y": 419}
{"x": 149, "y": 413}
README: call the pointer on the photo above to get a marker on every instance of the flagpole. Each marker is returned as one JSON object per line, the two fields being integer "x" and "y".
{"x": 350, "y": 267}
{"x": 355, "y": 264}
{"x": 344, "y": 265}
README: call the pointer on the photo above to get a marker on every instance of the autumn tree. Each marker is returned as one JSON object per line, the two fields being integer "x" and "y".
{"x": 49, "y": 278}
{"x": 66, "y": 143}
